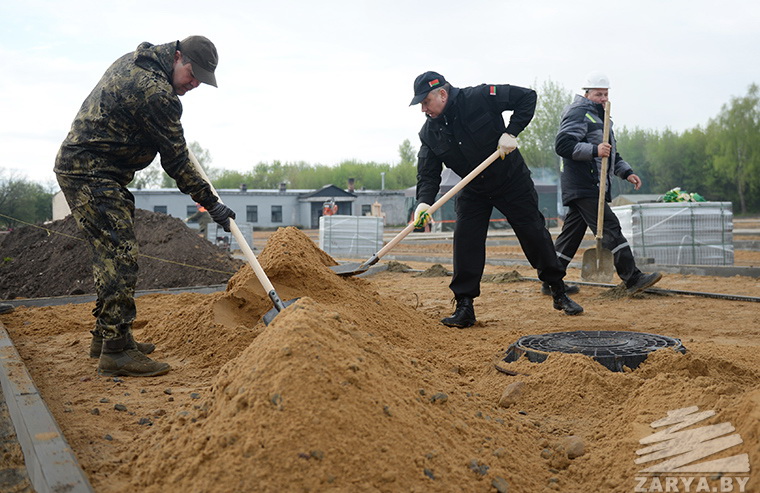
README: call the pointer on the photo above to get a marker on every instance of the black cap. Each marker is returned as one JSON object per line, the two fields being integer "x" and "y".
{"x": 425, "y": 83}
{"x": 202, "y": 54}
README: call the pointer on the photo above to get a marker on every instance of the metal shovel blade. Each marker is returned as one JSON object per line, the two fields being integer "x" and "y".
{"x": 350, "y": 268}
{"x": 269, "y": 316}
{"x": 598, "y": 265}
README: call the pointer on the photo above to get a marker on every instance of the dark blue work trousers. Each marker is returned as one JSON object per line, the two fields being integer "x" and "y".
{"x": 582, "y": 213}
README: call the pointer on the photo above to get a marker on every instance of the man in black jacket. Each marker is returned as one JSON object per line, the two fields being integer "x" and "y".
{"x": 132, "y": 114}
{"x": 580, "y": 143}
{"x": 463, "y": 127}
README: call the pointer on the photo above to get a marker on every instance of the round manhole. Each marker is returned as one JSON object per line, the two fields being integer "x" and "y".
{"x": 613, "y": 349}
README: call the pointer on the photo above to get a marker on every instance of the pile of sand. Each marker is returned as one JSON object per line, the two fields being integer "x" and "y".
{"x": 348, "y": 390}
{"x": 503, "y": 277}
{"x": 435, "y": 270}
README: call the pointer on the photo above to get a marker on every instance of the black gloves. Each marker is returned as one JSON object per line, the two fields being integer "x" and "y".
{"x": 221, "y": 214}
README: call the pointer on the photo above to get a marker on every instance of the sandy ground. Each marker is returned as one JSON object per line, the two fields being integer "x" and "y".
{"x": 357, "y": 387}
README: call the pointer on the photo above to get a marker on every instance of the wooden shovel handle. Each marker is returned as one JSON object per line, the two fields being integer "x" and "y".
{"x": 603, "y": 176}
{"x": 436, "y": 205}
{"x": 244, "y": 247}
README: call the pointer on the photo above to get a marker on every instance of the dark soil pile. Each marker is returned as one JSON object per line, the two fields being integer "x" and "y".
{"x": 56, "y": 260}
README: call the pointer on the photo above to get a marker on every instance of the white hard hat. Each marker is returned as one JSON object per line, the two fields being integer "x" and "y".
{"x": 596, "y": 80}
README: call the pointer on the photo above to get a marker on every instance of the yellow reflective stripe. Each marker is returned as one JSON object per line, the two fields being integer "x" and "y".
{"x": 590, "y": 118}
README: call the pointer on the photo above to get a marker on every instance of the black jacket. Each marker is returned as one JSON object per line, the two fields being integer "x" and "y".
{"x": 467, "y": 132}
{"x": 577, "y": 141}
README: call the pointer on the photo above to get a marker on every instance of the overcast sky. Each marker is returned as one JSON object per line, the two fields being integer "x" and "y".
{"x": 325, "y": 81}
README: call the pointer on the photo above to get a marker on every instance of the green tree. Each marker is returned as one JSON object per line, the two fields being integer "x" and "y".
{"x": 682, "y": 161}
{"x": 23, "y": 201}
{"x": 154, "y": 176}
{"x": 150, "y": 177}
{"x": 407, "y": 152}
{"x": 267, "y": 175}
{"x": 635, "y": 147}
{"x": 735, "y": 144}
{"x": 700, "y": 176}
{"x": 404, "y": 174}
{"x": 537, "y": 140}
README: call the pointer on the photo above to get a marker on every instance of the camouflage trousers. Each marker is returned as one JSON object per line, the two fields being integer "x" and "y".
{"x": 105, "y": 212}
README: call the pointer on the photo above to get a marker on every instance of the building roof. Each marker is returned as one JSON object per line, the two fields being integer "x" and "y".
{"x": 329, "y": 191}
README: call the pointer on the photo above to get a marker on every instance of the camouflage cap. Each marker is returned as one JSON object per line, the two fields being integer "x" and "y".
{"x": 202, "y": 54}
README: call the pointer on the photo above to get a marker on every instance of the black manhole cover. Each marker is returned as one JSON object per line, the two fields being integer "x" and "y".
{"x": 613, "y": 349}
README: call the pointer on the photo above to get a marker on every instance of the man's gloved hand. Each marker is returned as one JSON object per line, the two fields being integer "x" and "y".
{"x": 507, "y": 144}
{"x": 421, "y": 217}
{"x": 221, "y": 214}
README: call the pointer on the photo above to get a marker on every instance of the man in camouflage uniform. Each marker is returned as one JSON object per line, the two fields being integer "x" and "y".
{"x": 132, "y": 114}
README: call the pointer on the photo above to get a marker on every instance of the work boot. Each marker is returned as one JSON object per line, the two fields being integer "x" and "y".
{"x": 569, "y": 289}
{"x": 464, "y": 314}
{"x": 561, "y": 300}
{"x": 644, "y": 281}
{"x": 121, "y": 358}
{"x": 96, "y": 345}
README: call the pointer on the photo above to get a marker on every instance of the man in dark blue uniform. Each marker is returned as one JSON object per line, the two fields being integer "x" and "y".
{"x": 463, "y": 127}
{"x": 580, "y": 143}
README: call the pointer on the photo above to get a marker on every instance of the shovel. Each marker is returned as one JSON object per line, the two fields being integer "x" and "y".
{"x": 598, "y": 264}
{"x": 351, "y": 269}
{"x": 252, "y": 260}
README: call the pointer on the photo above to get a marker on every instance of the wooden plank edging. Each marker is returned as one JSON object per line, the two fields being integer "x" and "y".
{"x": 50, "y": 462}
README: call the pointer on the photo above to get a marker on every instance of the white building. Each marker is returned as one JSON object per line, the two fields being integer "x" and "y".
{"x": 269, "y": 208}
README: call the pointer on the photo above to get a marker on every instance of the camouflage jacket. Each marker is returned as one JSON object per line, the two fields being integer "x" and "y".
{"x": 131, "y": 115}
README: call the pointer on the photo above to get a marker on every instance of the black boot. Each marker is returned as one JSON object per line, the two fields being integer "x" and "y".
{"x": 562, "y": 302}
{"x": 464, "y": 314}
{"x": 120, "y": 357}
{"x": 569, "y": 289}
{"x": 96, "y": 345}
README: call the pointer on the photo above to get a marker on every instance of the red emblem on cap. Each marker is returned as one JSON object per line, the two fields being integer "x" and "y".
{"x": 433, "y": 82}
{"x": 493, "y": 90}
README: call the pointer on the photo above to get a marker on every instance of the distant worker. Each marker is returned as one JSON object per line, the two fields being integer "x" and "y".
{"x": 463, "y": 127}
{"x": 132, "y": 114}
{"x": 580, "y": 143}
{"x": 202, "y": 217}
{"x": 329, "y": 208}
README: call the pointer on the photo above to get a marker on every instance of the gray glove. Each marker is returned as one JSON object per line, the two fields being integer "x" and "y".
{"x": 221, "y": 214}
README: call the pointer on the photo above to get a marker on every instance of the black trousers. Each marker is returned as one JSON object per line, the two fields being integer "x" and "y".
{"x": 519, "y": 204}
{"x": 582, "y": 214}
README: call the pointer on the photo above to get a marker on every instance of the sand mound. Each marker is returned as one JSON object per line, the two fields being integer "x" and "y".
{"x": 396, "y": 266}
{"x": 351, "y": 390}
{"x": 435, "y": 270}
{"x": 344, "y": 391}
{"x": 333, "y": 380}
{"x": 503, "y": 277}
